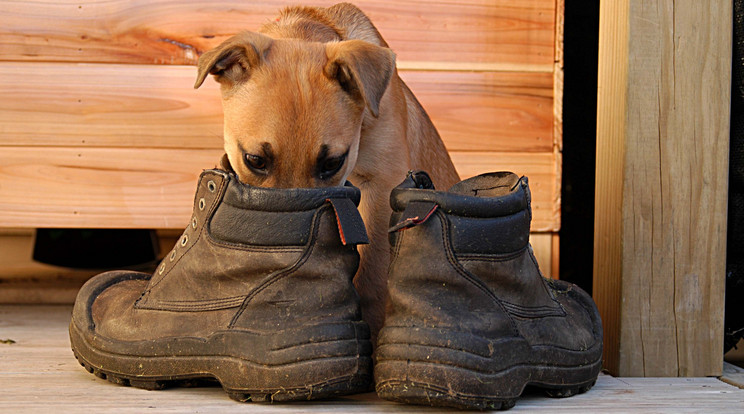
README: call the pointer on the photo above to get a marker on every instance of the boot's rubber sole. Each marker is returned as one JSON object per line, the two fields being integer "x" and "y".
{"x": 441, "y": 367}
{"x": 438, "y": 384}
{"x": 294, "y": 369}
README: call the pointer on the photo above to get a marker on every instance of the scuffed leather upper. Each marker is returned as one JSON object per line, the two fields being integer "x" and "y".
{"x": 260, "y": 259}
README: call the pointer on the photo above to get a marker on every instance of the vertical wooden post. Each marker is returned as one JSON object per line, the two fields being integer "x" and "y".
{"x": 661, "y": 184}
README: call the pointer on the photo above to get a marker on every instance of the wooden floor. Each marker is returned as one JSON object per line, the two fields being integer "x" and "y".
{"x": 39, "y": 374}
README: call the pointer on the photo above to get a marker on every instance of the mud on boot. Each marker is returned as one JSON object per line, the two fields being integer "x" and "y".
{"x": 470, "y": 319}
{"x": 257, "y": 294}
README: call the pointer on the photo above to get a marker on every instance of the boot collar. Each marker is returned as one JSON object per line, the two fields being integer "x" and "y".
{"x": 485, "y": 195}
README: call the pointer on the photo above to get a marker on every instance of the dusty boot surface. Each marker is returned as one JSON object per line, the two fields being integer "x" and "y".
{"x": 470, "y": 320}
{"x": 257, "y": 294}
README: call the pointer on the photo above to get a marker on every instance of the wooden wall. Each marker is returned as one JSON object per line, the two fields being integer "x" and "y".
{"x": 100, "y": 125}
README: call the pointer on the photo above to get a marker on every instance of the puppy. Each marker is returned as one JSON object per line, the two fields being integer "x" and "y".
{"x": 314, "y": 99}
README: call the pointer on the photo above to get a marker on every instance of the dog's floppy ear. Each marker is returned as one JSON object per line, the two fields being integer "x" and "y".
{"x": 352, "y": 23}
{"x": 232, "y": 61}
{"x": 363, "y": 70}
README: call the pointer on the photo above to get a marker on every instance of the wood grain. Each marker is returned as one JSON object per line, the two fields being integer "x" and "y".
{"x": 148, "y": 106}
{"x": 154, "y": 188}
{"x": 662, "y": 168}
{"x": 40, "y": 375}
{"x": 542, "y": 247}
{"x": 508, "y": 33}
{"x": 611, "y": 129}
{"x": 498, "y": 111}
{"x": 25, "y": 281}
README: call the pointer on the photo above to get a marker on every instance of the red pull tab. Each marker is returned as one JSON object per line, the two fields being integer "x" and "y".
{"x": 416, "y": 212}
{"x": 350, "y": 224}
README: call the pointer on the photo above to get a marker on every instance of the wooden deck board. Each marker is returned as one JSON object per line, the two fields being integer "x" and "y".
{"x": 38, "y": 373}
{"x": 506, "y": 34}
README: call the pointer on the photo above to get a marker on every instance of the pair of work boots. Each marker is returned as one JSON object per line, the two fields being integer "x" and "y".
{"x": 258, "y": 295}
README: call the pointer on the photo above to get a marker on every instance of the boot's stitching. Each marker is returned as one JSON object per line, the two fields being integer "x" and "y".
{"x": 276, "y": 276}
{"x": 198, "y": 305}
{"x": 467, "y": 275}
{"x": 533, "y": 311}
{"x": 490, "y": 257}
{"x": 255, "y": 248}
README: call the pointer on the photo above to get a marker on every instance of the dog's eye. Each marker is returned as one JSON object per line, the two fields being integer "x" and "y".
{"x": 330, "y": 167}
{"x": 256, "y": 163}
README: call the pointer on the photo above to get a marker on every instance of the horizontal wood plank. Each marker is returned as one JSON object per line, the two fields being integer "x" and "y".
{"x": 25, "y": 281}
{"x": 154, "y": 188}
{"x": 150, "y": 106}
{"x": 499, "y": 111}
{"x": 509, "y": 33}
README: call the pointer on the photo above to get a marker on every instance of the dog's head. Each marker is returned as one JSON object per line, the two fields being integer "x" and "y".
{"x": 293, "y": 109}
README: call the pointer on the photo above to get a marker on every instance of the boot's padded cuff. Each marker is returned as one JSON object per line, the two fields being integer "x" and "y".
{"x": 236, "y": 225}
{"x": 286, "y": 215}
{"x": 284, "y": 199}
{"x": 490, "y": 236}
{"x": 493, "y": 195}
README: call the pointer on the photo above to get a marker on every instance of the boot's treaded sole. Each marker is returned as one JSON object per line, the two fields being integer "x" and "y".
{"x": 460, "y": 370}
{"x": 243, "y": 380}
{"x": 436, "y": 384}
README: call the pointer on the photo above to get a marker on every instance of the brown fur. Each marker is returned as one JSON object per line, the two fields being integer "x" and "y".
{"x": 313, "y": 85}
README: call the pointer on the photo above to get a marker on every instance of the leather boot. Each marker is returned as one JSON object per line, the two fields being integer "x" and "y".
{"x": 470, "y": 320}
{"x": 257, "y": 294}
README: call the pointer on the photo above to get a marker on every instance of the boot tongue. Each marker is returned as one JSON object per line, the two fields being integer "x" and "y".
{"x": 225, "y": 165}
{"x": 487, "y": 185}
{"x": 421, "y": 180}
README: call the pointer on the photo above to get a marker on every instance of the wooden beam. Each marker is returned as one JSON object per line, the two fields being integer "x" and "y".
{"x": 661, "y": 184}
{"x": 101, "y": 187}
{"x": 508, "y": 33}
{"x": 155, "y": 106}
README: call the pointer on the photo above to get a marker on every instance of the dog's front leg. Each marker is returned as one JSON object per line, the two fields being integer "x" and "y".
{"x": 371, "y": 278}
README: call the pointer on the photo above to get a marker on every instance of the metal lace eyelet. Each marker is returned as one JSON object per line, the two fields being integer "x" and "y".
{"x": 162, "y": 269}
{"x": 172, "y": 255}
{"x": 211, "y": 186}
{"x": 202, "y": 204}
{"x": 193, "y": 222}
{"x": 184, "y": 240}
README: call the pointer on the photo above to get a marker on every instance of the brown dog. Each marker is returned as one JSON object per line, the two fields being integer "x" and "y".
{"x": 315, "y": 99}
